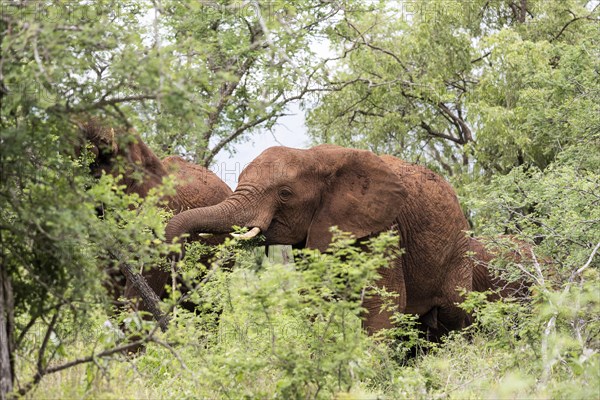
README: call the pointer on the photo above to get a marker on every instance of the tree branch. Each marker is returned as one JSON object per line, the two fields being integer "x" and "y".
{"x": 103, "y": 102}
{"x": 575, "y": 19}
{"x": 42, "y": 349}
{"x": 487, "y": 54}
{"x": 117, "y": 100}
{"x": 148, "y": 296}
{"x": 377, "y": 48}
{"x": 40, "y": 374}
{"x": 589, "y": 261}
{"x": 239, "y": 131}
{"x": 462, "y": 126}
{"x": 229, "y": 87}
{"x": 276, "y": 112}
{"x": 441, "y": 135}
{"x": 439, "y": 159}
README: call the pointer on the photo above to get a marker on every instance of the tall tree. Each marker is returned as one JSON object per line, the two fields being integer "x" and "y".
{"x": 477, "y": 86}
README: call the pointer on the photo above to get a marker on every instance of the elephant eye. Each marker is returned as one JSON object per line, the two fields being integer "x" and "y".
{"x": 285, "y": 193}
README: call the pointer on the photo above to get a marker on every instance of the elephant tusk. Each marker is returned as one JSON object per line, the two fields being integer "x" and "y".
{"x": 205, "y": 235}
{"x": 248, "y": 235}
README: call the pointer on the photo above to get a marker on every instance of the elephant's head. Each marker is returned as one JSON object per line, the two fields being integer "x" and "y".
{"x": 121, "y": 151}
{"x": 102, "y": 143}
{"x": 294, "y": 196}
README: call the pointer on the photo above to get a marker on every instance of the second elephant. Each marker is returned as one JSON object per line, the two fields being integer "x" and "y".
{"x": 123, "y": 154}
{"x": 294, "y": 196}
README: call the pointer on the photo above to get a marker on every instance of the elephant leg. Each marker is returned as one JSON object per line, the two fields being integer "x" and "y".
{"x": 430, "y": 325}
{"x": 430, "y": 319}
{"x": 451, "y": 318}
{"x": 375, "y": 317}
{"x": 379, "y": 310}
{"x": 434, "y": 325}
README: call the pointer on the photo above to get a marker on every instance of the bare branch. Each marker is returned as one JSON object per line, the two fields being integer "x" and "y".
{"x": 38, "y": 60}
{"x": 117, "y": 100}
{"x": 575, "y": 19}
{"x": 441, "y": 135}
{"x": 377, "y": 48}
{"x": 238, "y": 132}
{"x": 538, "y": 269}
{"x": 42, "y": 349}
{"x": 82, "y": 360}
{"x": 103, "y": 102}
{"x": 148, "y": 295}
{"x": 438, "y": 157}
{"x": 172, "y": 351}
{"x": 267, "y": 33}
{"x": 462, "y": 126}
{"x": 276, "y": 112}
{"x": 487, "y": 54}
{"x": 225, "y": 92}
{"x": 545, "y": 358}
{"x": 589, "y": 261}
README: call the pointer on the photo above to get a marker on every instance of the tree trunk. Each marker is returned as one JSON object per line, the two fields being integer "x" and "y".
{"x": 147, "y": 294}
{"x": 6, "y": 334}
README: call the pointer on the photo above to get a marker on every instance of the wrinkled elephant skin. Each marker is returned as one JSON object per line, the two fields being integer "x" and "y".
{"x": 294, "y": 196}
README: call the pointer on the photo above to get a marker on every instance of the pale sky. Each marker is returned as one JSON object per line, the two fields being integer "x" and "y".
{"x": 290, "y": 131}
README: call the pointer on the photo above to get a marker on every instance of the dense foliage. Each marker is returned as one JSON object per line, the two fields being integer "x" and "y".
{"x": 472, "y": 87}
{"x": 502, "y": 97}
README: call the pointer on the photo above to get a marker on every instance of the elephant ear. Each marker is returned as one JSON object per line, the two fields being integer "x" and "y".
{"x": 363, "y": 195}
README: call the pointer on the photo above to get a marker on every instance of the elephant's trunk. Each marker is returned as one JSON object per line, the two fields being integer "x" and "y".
{"x": 212, "y": 219}
{"x": 216, "y": 219}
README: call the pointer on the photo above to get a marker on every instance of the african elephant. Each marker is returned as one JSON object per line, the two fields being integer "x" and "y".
{"x": 123, "y": 152}
{"x": 294, "y": 196}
